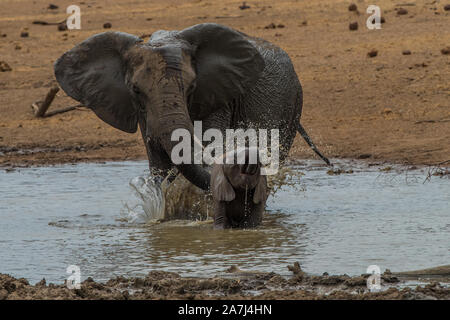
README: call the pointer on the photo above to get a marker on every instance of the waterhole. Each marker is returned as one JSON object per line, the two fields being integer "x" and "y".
{"x": 53, "y": 217}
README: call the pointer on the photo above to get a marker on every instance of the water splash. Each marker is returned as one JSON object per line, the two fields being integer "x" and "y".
{"x": 180, "y": 199}
{"x": 149, "y": 202}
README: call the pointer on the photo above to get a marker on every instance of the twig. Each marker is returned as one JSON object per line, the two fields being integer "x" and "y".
{"x": 432, "y": 121}
{"x": 436, "y": 170}
{"x": 226, "y": 17}
{"x": 45, "y": 23}
{"x": 446, "y": 161}
{"x": 62, "y": 110}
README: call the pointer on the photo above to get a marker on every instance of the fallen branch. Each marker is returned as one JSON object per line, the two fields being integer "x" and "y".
{"x": 432, "y": 121}
{"x": 45, "y": 23}
{"x": 443, "y": 162}
{"x": 62, "y": 110}
{"x": 438, "y": 170}
{"x": 40, "y": 108}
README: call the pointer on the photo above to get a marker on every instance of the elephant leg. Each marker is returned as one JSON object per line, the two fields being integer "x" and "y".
{"x": 220, "y": 217}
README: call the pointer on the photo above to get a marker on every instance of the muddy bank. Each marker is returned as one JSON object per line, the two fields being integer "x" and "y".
{"x": 391, "y": 107}
{"x": 238, "y": 285}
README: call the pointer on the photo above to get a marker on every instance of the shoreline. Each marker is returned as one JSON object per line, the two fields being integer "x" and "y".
{"x": 16, "y": 157}
{"x": 239, "y": 285}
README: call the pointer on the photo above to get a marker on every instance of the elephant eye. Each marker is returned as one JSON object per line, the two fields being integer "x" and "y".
{"x": 136, "y": 89}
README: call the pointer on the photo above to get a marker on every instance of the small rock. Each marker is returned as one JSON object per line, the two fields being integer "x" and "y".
{"x": 447, "y": 7}
{"x": 62, "y": 26}
{"x": 52, "y": 6}
{"x": 17, "y": 47}
{"x": 233, "y": 269}
{"x": 445, "y": 50}
{"x": 244, "y": 6}
{"x": 304, "y": 23}
{"x": 24, "y": 34}
{"x": 296, "y": 269}
{"x": 4, "y": 67}
{"x": 41, "y": 283}
{"x": 107, "y": 25}
{"x": 386, "y": 111}
{"x": 372, "y": 53}
{"x": 402, "y": 11}
{"x": 3, "y": 35}
{"x": 382, "y": 20}
{"x": 406, "y": 52}
{"x": 352, "y": 7}
{"x": 280, "y": 26}
{"x": 353, "y": 26}
{"x": 270, "y": 26}
{"x": 418, "y": 65}
{"x": 149, "y": 19}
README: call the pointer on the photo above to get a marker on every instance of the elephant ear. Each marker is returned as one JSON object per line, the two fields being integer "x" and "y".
{"x": 221, "y": 188}
{"x": 93, "y": 73}
{"x": 227, "y": 64}
{"x": 260, "y": 194}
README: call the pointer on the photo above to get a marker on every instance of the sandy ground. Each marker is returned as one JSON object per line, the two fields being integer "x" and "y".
{"x": 392, "y": 107}
{"x": 239, "y": 285}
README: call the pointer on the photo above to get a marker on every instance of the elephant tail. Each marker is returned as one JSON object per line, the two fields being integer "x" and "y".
{"x": 308, "y": 140}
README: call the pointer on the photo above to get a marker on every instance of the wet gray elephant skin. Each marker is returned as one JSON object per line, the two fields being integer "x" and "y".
{"x": 207, "y": 72}
{"x": 239, "y": 191}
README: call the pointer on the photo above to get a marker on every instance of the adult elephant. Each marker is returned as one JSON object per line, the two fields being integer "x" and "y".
{"x": 207, "y": 72}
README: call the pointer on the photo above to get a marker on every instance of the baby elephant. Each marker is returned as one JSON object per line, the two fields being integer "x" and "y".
{"x": 239, "y": 190}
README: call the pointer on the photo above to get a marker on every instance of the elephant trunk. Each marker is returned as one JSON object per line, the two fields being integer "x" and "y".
{"x": 195, "y": 173}
{"x": 175, "y": 116}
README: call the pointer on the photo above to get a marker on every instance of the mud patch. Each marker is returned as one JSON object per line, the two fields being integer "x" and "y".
{"x": 239, "y": 285}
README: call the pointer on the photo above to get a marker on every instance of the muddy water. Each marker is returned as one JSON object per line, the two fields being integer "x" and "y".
{"x": 53, "y": 217}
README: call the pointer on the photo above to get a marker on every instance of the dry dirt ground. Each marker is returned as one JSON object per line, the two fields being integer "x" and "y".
{"x": 391, "y": 107}
{"x": 240, "y": 285}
